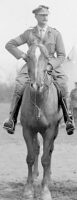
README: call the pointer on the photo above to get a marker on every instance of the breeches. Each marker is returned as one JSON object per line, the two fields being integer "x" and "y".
{"x": 63, "y": 87}
{"x": 23, "y": 78}
{"x": 61, "y": 79}
{"x": 21, "y": 81}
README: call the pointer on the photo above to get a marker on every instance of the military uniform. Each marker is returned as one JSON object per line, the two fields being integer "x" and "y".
{"x": 53, "y": 42}
{"x": 56, "y": 54}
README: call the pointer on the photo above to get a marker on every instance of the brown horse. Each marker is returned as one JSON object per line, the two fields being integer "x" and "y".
{"x": 40, "y": 112}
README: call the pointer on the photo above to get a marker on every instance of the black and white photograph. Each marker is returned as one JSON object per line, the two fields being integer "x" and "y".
{"x": 38, "y": 100}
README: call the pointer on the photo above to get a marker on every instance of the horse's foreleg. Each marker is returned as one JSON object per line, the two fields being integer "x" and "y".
{"x": 36, "y": 150}
{"x": 30, "y": 153}
{"x": 51, "y": 150}
{"x": 48, "y": 145}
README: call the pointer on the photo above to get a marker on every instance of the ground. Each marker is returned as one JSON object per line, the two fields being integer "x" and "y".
{"x": 13, "y": 167}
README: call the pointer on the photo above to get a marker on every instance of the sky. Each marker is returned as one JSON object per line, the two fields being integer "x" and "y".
{"x": 16, "y": 16}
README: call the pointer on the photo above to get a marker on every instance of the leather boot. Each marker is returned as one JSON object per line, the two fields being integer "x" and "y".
{"x": 10, "y": 124}
{"x": 67, "y": 116}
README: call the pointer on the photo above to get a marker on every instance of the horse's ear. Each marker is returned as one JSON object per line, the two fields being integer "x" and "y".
{"x": 44, "y": 50}
{"x": 30, "y": 50}
{"x": 28, "y": 58}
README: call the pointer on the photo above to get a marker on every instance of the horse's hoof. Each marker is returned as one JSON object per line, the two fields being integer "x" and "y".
{"x": 46, "y": 195}
{"x": 47, "y": 181}
{"x": 28, "y": 192}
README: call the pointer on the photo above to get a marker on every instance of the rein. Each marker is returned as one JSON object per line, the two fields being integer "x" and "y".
{"x": 36, "y": 107}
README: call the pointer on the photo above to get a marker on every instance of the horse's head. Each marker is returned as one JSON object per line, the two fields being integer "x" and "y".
{"x": 37, "y": 64}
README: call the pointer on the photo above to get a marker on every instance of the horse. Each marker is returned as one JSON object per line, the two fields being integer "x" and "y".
{"x": 40, "y": 112}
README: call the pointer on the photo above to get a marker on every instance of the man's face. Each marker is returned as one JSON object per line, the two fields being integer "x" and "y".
{"x": 42, "y": 19}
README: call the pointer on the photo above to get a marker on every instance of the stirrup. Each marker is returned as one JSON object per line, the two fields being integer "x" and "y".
{"x": 10, "y": 130}
{"x": 70, "y": 127}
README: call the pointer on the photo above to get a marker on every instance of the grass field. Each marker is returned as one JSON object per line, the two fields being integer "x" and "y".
{"x": 13, "y": 167}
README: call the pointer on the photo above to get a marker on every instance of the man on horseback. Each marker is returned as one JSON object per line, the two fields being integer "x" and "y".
{"x": 42, "y": 35}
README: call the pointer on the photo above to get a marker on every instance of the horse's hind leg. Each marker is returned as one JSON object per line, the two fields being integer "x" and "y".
{"x": 36, "y": 146}
{"x": 28, "y": 136}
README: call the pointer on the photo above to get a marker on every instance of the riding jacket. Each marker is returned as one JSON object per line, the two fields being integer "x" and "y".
{"x": 52, "y": 40}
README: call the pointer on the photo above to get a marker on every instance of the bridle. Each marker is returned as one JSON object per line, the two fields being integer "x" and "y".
{"x": 43, "y": 89}
{"x": 38, "y": 88}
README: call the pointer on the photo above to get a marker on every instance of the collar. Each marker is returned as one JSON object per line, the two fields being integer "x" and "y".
{"x": 43, "y": 29}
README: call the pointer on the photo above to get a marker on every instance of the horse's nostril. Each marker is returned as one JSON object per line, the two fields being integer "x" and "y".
{"x": 34, "y": 86}
{"x": 31, "y": 84}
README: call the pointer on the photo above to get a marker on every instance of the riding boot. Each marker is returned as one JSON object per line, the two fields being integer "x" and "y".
{"x": 10, "y": 124}
{"x": 67, "y": 116}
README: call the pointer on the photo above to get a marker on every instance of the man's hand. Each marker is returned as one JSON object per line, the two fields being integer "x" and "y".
{"x": 49, "y": 67}
{"x": 24, "y": 57}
